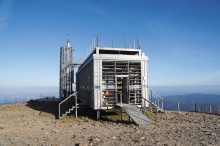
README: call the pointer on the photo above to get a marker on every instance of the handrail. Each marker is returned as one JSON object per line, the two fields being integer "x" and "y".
{"x": 149, "y": 102}
{"x": 67, "y": 98}
{"x": 125, "y": 96}
{"x": 157, "y": 95}
{"x": 158, "y": 98}
{"x": 65, "y": 101}
{"x": 156, "y": 120}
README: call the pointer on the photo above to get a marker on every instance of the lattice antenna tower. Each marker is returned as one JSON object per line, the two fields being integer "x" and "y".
{"x": 66, "y": 70}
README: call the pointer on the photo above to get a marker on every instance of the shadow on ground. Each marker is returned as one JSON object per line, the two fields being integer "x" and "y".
{"x": 115, "y": 115}
{"x": 50, "y": 107}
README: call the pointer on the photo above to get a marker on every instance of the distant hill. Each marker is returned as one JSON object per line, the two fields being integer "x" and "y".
{"x": 187, "y": 102}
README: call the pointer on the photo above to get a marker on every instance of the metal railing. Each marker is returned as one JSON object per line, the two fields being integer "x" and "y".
{"x": 67, "y": 104}
{"x": 182, "y": 106}
{"x": 144, "y": 109}
{"x": 157, "y": 100}
{"x": 152, "y": 105}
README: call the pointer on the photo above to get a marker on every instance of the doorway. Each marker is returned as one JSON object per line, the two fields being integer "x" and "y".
{"x": 122, "y": 89}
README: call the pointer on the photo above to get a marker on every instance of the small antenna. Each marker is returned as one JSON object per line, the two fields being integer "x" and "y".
{"x": 124, "y": 42}
{"x": 97, "y": 40}
{"x": 67, "y": 38}
{"x": 138, "y": 43}
{"x": 67, "y": 35}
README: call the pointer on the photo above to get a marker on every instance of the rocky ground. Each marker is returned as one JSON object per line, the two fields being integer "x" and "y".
{"x": 35, "y": 124}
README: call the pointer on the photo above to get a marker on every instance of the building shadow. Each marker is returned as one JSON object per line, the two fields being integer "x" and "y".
{"x": 114, "y": 115}
{"x": 51, "y": 107}
{"x": 44, "y": 106}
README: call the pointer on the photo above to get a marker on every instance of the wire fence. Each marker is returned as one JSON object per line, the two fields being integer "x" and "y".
{"x": 13, "y": 100}
{"x": 202, "y": 108}
{"x": 214, "y": 109}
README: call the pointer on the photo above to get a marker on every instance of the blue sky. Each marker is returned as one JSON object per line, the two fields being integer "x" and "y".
{"x": 181, "y": 38}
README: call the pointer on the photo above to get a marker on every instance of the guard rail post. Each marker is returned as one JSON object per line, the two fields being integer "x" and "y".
{"x": 76, "y": 105}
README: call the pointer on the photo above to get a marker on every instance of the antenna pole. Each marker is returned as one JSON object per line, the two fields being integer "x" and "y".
{"x": 97, "y": 37}
{"x": 112, "y": 42}
{"x": 124, "y": 42}
{"x": 67, "y": 37}
{"x": 138, "y": 43}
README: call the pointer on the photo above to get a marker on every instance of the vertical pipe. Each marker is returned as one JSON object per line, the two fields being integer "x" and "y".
{"x": 135, "y": 98}
{"x": 144, "y": 107}
{"x": 164, "y": 106}
{"x": 178, "y": 106}
{"x": 210, "y": 108}
{"x": 124, "y": 42}
{"x": 112, "y": 42}
{"x": 195, "y": 108}
{"x": 151, "y": 100}
{"x": 156, "y": 116}
{"x": 134, "y": 44}
{"x": 121, "y": 99}
{"x": 151, "y": 96}
{"x": 59, "y": 110}
{"x": 94, "y": 42}
{"x": 138, "y": 43}
{"x": 97, "y": 41}
{"x": 121, "y": 113}
{"x": 158, "y": 103}
{"x": 138, "y": 118}
{"x": 76, "y": 105}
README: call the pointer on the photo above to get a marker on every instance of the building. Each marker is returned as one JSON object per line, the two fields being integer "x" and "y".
{"x": 109, "y": 76}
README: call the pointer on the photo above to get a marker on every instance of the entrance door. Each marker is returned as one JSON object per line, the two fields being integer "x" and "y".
{"x": 122, "y": 88}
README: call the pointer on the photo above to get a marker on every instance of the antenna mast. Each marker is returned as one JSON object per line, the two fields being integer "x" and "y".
{"x": 67, "y": 38}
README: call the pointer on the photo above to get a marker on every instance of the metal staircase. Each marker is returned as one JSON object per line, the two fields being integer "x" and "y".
{"x": 135, "y": 113}
{"x": 68, "y": 105}
{"x": 68, "y": 111}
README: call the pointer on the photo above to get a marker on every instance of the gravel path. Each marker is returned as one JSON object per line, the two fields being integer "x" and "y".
{"x": 21, "y": 124}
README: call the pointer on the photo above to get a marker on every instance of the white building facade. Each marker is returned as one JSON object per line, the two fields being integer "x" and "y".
{"x": 110, "y": 76}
